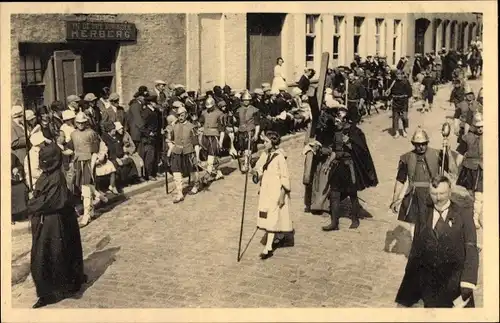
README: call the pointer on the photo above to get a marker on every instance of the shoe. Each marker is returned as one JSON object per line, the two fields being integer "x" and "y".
{"x": 405, "y": 134}
{"x": 267, "y": 255}
{"x": 44, "y": 301}
{"x": 354, "y": 224}
{"x": 331, "y": 227}
{"x": 83, "y": 224}
{"x": 307, "y": 209}
{"x": 194, "y": 190}
{"x": 114, "y": 190}
{"x": 153, "y": 179}
{"x": 178, "y": 199}
{"x": 396, "y": 136}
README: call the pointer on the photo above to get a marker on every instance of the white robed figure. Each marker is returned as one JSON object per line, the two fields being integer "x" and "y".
{"x": 279, "y": 81}
{"x": 273, "y": 215}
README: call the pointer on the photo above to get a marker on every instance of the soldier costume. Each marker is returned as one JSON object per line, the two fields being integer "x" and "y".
{"x": 471, "y": 160}
{"x": 418, "y": 166}
{"x": 183, "y": 143}
{"x": 400, "y": 92}
{"x": 356, "y": 96}
{"x": 213, "y": 136}
{"x": 464, "y": 113}
{"x": 248, "y": 118}
{"x": 351, "y": 169}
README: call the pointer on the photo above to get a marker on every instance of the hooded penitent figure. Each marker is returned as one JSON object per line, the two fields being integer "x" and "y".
{"x": 56, "y": 252}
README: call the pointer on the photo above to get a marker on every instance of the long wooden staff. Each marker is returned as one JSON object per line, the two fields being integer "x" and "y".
{"x": 244, "y": 196}
{"x": 27, "y": 150}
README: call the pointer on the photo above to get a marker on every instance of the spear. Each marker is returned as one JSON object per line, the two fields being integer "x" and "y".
{"x": 244, "y": 195}
{"x": 27, "y": 150}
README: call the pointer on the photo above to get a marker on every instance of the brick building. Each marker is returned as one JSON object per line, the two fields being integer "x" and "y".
{"x": 60, "y": 54}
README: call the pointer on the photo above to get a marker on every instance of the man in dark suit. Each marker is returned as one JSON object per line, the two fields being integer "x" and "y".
{"x": 443, "y": 263}
{"x": 305, "y": 80}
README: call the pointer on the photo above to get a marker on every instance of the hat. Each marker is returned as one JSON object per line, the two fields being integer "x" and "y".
{"x": 118, "y": 125}
{"x": 246, "y": 96}
{"x": 107, "y": 126}
{"x": 282, "y": 88}
{"x": 114, "y": 97}
{"x": 68, "y": 115}
{"x": 420, "y": 136}
{"x": 171, "y": 118}
{"x": 328, "y": 91}
{"x": 30, "y": 115}
{"x": 209, "y": 102}
{"x": 37, "y": 138}
{"x": 89, "y": 97}
{"x": 296, "y": 91}
{"x": 72, "y": 98}
{"x": 287, "y": 96}
{"x": 178, "y": 104}
{"x": 180, "y": 86}
{"x": 221, "y": 103}
{"x": 17, "y": 111}
{"x": 265, "y": 85}
{"x": 81, "y": 117}
{"x": 477, "y": 120}
{"x": 258, "y": 91}
{"x": 160, "y": 82}
{"x": 468, "y": 89}
{"x": 181, "y": 110}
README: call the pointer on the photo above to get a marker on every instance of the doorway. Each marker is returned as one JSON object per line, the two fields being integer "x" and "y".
{"x": 264, "y": 46}
{"x": 421, "y": 26}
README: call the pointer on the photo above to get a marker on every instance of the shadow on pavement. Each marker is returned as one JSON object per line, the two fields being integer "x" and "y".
{"x": 400, "y": 239}
{"x": 95, "y": 266}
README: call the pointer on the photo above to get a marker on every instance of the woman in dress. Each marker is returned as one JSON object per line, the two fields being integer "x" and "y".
{"x": 279, "y": 81}
{"x": 56, "y": 251}
{"x": 274, "y": 196}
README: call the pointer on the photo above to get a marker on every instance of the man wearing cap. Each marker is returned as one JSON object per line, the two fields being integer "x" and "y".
{"x": 134, "y": 118}
{"x": 92, "y": 111}
{"x": 113, "y": 112}
{"x": 73, "y": 101}
{"x": 471, "y": 160}
{"x": 464, "y": 113}
{"x": 160, "y": 92}
{"x": 356, "y": 96}
{"x": 32, "y": 123}
{"x": 213, "y": 136}
{"x": 18, "y": 137}
{"x": 69, "y": 124}
{"x": 149, "y": 134}
{"x": 418, "y": 167}
{"x": 400, "y": 92}
{"x": 248, "y": 119}
{"x": 183, "y": 142}
{"x": 305, "y": 80}
{"x": 103, "y": 102}
{"x": 457, "y": 95}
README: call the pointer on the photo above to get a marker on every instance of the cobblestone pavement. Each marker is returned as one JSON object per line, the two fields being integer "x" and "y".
{"x": 147, "y": 252}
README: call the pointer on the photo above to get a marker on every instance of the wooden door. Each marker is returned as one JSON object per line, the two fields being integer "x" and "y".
{"x": 264, "y": 47}
{"x": 68, "y": 74}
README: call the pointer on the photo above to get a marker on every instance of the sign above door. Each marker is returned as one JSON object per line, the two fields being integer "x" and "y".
{"x": 97, "y": 30}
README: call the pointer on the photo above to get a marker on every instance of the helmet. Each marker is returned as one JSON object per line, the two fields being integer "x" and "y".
{"x": 420, "y": 136}
{"x": 209, "y": 102}
{"x": 30, "y": 115}
{"x": 68, "y": 115}
{"x": 246, "y": 96}
{"x": 81, "y": 117}
{"x": 477, "y": 120}
{"x": 468, "y": 89}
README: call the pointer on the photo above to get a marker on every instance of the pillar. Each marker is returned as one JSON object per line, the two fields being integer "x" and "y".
{"x": 349, "y": 39}
{"x": 439, "y": 35}
{"x": 428, "y": 38}
{"x": 318, "y": 47}
{"x": 368, "y": 32}
{"x": 466, "y": 36}
{"x": 389, "y": 49}
{"x": 299, "y": 42}
{"x": 448, "y": 36}
{"x": 327, "y": 36}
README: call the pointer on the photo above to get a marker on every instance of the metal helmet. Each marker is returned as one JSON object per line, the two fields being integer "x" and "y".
{"x": 246, "y": 96}
{"x": 477, "y": 120}
{"x": 420, "y": 136}
{"x": 210, "y": 102}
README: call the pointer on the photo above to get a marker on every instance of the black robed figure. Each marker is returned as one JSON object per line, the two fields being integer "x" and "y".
{"x": 56, "y": 251}
{"x": 351, "y": 168}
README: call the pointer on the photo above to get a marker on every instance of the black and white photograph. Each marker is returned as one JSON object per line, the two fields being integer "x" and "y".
{"x": 250, "y": 155}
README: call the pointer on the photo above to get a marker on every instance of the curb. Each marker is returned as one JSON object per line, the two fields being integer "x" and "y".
{"x": 22, "y": 228}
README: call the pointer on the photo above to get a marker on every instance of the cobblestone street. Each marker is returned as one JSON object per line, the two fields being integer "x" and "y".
{"x": 148, "y": 252}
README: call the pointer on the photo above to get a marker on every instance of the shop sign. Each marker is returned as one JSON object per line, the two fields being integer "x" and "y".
{"x": 97, "y": 30}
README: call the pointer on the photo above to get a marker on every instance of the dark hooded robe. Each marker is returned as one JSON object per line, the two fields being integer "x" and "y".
{"x": 56, "y": 251}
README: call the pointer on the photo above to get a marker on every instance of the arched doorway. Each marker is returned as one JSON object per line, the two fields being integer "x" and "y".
{"x": 421, "y": 27}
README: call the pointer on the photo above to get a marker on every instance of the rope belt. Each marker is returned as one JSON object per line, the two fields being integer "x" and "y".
{"x": 400, "y": 96}
{"x": 356, "y": 100}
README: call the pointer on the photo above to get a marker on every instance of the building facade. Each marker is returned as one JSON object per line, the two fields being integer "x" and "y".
{"x": 55, "y": 55}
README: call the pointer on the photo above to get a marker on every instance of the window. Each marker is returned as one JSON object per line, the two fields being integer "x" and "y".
{"x": 443, "y": 33}
{"x": 31, "y": 70}
{"x": 99, "y": 62}
{"x": 378, "y": 34}
{"x": 358, "y": 23}
{"x": 310, "y": 39}
{"x": 337, "y": 23}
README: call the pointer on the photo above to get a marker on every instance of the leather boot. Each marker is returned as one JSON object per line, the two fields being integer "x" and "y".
{"x": 354, "y": 212}
{"x": 334, "y": 225}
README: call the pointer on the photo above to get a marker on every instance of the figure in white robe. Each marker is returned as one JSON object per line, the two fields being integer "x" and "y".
{"x": 279, "y": 80}
{"x": 274, "y": 196}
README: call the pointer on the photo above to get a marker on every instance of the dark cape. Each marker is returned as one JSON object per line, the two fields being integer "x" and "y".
{"x": 56, "y": 251}
{"x": 364, "y": 168}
